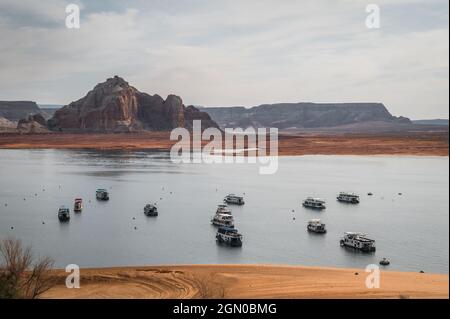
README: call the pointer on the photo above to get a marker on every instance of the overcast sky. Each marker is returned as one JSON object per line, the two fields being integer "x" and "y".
{"x": 226, "y": 53}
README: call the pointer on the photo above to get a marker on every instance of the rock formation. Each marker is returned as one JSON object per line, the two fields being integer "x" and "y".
{"x": 115, "y": 106}
{"x": 302, "y": 115}
{"x": 6, "y": 125}
{"x": 33, "y": 124}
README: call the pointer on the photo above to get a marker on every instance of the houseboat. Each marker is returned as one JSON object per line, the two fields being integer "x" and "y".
{"x": 102, "y": 194}
{"x": 223, "y": 220}
{"x": 234, "y": 199}
{"x": 223, "y": 209}
{"x": 78, "y": 205}
{"x": 315, "y": 203}
{"x": 358, "y": 241}
{"x": 348, "y": 198}
{"x": 316, "y": 226}
{"x": 229, "y": 236}
{"x": 63, "y": 214}
{"x": 150, "y": 210}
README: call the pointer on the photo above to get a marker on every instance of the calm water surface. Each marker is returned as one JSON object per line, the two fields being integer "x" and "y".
{"x": 411, "y": 229}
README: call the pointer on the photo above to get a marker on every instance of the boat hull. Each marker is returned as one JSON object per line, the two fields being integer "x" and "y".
{"x": 363, "y": 249}
{"x": 229, "y": 242}
{"x": 151, "y": 214}
{"x": 353, "y": 201}
{"x": 64, "y": 219}
{"x": 233, "y": 202}
{"x": 317, "y": 231}
{"x": 313, "y": 207}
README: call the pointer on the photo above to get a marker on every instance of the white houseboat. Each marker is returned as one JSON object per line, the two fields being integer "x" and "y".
{"x": 358, "y": 241}
{"x": 223, "y": 220}
{"x": 348, "y": 198}
{"x": 315, "y": 203}
{"x": 223, "y": 209}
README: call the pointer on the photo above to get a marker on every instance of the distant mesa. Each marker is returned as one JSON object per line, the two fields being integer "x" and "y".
{"x": 440, "y": 122}
{"x": 17, "y": 110}
{"x": 304, "y": 115}
{"x": 115, "y": 106}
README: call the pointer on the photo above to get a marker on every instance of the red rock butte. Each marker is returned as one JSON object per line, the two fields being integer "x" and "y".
{"x": 115, "y": 106}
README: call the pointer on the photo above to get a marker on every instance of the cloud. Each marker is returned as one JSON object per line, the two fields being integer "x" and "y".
{"x": 229, "y": 53}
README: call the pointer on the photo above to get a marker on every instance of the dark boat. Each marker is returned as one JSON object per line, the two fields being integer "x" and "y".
{"x": 316, "y": 226}
{"x": 348, "y": 198}
{"x": 229, "y": 236}
{"x": 385, "y": 262}
{"x": 150, "y": 210}
{"x": 234, "y": 199}
{"x": 63, "y": 214}
{"x": 102, "y": 194}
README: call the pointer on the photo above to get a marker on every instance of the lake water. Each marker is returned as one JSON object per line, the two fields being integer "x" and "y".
{"x": 411, "y": 229}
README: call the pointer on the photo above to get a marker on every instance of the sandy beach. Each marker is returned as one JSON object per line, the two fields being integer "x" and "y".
{"x": 247, "y": 281}
{"x": 417, "y": 144}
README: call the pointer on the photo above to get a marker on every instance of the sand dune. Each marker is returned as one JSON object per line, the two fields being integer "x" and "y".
{"x": 247, "y": 281}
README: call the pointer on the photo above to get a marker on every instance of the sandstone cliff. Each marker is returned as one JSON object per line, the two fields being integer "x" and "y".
{"x": 33, "y": 124}
{"x": 115, "y": 106}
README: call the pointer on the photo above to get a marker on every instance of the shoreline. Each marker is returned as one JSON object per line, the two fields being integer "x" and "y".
{"x": 415, "y": 144}
{"x": 252, "y": 281}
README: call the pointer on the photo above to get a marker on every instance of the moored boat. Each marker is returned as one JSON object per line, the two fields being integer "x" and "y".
{"x": 150, "y": 210}
{"x": 358, "y": 241}
{"x": 223, "y": 220}
{"x": 234, "y": 199}
{"x": 78, "y": 205}
{"x": 63, "y": 214}
{"x": 315, "y": 203}
{"x": 316, "y": 226}
{"x": 348, "y": 198}
{"x": 102, "y": 194}
{"x": 229, "y": 236}
{"x": 223, "y": 209}
{"x": 385, "y": 262}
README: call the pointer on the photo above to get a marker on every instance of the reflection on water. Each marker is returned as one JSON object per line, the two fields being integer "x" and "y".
{"x": 410, "y": 229}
